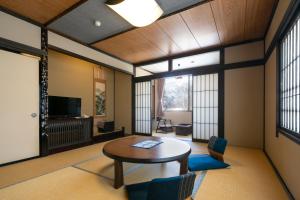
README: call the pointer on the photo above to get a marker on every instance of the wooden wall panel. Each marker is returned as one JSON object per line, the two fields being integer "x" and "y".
{"x": 38, "y": 10}
{"x": 244, "y": 104}
{"x": 201, "y": 22}
{"x": 230, "y": 19}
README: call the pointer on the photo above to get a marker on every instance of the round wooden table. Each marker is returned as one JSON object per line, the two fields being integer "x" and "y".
{"x": 121, "y": 150}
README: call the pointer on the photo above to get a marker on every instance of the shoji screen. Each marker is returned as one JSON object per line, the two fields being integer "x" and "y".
{"x": 143, "y": 107}
{"x": 205, "y": 106}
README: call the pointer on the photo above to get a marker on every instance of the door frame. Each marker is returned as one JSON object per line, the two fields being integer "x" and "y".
{"x": 133, "y": 107}
{"x": 194, "y": 72}
{"x": 220, "y": 104}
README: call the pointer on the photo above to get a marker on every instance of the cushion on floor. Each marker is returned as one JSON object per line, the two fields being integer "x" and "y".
{"x": 200, "y": 162}
{"x": 217, "y": 144}
{"x": 138, "y": 191}
{"x": 160, "y": 188}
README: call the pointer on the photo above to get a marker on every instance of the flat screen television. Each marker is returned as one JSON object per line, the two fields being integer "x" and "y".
{"x": 64, "y": 107}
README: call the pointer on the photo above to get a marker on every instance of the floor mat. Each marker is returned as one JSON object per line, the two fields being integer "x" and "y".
{"x": 68, "y": 183}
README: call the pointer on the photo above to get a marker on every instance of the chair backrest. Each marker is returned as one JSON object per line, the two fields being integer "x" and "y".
{"x": 217, "y": 144}
{"x": 174, "y": 188}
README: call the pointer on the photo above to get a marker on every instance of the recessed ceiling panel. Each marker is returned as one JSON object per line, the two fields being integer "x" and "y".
{"x": 204, "y": 59}
{"x": 79, "y": 22}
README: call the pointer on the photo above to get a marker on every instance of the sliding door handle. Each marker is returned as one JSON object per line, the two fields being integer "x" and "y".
{"x": 33, "y": 115}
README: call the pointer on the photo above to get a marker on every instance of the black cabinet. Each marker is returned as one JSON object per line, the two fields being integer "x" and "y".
{"x": 67, "y": 133}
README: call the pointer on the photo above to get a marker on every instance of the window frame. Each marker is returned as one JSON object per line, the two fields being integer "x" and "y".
{"x": 189, "y": 105}
{"x": 294, "y": 136}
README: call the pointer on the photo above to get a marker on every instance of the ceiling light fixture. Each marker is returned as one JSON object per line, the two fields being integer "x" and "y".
{"x": 139, "y": 13}
{"x": 97, "y": 23}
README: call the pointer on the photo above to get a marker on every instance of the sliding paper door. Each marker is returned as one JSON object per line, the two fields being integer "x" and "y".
{"x": 19, "y": 107}
{"x": 143, "y": 108}
{"x": 205, "y": 106}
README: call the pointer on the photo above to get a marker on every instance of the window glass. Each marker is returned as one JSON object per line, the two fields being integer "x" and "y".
{"x": 177, "y": 93}
{"x": 157, "y": 67}
{"x": 289, "y": 81}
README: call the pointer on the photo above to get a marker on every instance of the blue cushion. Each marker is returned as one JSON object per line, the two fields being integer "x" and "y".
{"x": 220, "y": 145}
{"x": 204, "y": 162}
{"x": 160, "y": 188}
{"x": 217, "y": 144}
{"x": 138, "y": 191}
{"x": 164, "y": 188}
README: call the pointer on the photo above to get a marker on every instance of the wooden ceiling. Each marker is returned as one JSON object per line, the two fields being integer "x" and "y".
{"x": 41, "y": 11}
{"x": 218, "y": 22}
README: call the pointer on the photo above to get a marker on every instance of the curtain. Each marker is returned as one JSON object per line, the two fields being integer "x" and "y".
{"x": 160, "y": 90}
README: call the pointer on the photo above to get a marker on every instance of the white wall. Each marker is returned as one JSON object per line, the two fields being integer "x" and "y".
{"x": 20, "y": 31}
{"x": 79, "y": 49}
{"x": 141, "y": 72}
{"x": 283, "y": 152}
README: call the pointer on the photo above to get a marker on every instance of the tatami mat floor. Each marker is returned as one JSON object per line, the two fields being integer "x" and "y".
{"x": 172, "y": 135}
{"x": 86, "y": 173}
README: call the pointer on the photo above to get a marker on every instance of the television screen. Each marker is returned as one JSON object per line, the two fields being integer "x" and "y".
{"x": 64, "y": 106}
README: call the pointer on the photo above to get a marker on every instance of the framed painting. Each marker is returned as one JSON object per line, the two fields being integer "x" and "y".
{"x": 100, "y": 98}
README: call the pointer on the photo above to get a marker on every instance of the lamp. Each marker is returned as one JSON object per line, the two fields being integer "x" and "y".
{"x": 139, "y": 13}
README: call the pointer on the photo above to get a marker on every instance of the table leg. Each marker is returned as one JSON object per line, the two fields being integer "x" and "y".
{"x": 183, "y": 166}
{"x": 119, "y": 178}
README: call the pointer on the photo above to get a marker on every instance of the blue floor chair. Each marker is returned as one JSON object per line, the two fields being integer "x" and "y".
{"x": 215, "y": 160}
{"x": 173, "y": 188}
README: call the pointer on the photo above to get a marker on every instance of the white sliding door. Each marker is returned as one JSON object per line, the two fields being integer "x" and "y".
{"x": 19, "y": 107}
{"x": 205, "y": 106}
{"x": 143, "y": 107}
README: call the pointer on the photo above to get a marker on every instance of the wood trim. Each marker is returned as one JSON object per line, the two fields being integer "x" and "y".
{"x": 109, "y": 136}
{"x": 133, "y": 103}
{"x": 18, "y": 161}
{"x": 87, "y": 45}
{"x": 278, "y": 80}
{"x": 283, "y": 27}
{"x": 199, "y": 140}
{"x": 67, "y": 148}
{"x": 65, "y": 12}
{"x": 27, "y": 19}
{"x": 85, "y": 58}
{"x": 185, "y": 54}
{"x": 43, "y": 95}
{"x": 20, "y": 48}
{"x": 202, "y": 70}
{"x": 289, "y": 134}
{"x": 271, "y": 18}
{"x": 291, "y": 14}
{"x": 195, "y": 52}
{"x": 221, "y": 96}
